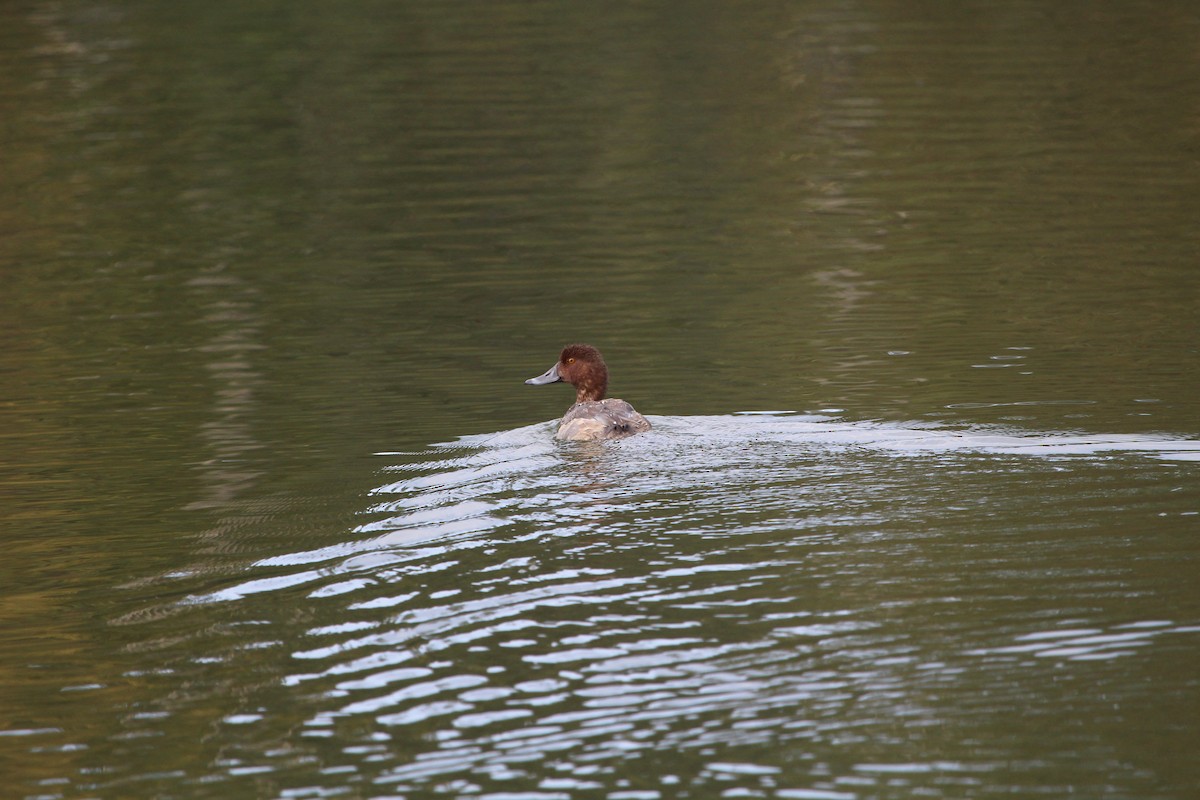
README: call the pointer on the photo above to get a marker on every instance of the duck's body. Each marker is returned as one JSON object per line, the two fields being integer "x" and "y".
{"x": 601, "y": 419}
{"x": 592, "y": 417}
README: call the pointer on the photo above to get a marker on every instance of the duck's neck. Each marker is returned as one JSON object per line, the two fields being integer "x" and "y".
{"x": 591, "y": 389}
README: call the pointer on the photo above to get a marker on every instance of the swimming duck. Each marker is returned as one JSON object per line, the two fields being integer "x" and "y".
{"x": 592, "y": 417}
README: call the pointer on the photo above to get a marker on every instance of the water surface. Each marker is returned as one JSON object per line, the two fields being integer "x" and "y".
{"x": 282, "y": 520}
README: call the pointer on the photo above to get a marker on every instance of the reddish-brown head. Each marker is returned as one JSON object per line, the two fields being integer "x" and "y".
{"x": 582, "y": 366}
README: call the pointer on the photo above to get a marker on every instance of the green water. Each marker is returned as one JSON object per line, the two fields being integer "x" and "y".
{"x": 281, "y": 519}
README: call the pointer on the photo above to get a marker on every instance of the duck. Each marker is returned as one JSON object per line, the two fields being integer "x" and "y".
{"x": 591, "y": 417}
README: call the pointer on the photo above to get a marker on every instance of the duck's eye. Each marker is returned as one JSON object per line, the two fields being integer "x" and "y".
{"x": 570, "y": 361}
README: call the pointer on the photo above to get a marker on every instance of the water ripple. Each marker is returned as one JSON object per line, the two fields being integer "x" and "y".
{"x": 720, "y": 587}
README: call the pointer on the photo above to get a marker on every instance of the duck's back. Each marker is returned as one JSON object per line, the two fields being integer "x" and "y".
{"x": 601, "y": 419}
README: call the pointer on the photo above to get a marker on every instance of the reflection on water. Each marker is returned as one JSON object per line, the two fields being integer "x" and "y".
{"x": 245, "y": 246}
{"x": 763, "y": 602}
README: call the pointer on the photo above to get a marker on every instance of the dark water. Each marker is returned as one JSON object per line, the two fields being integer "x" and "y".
{"x": 280, "y": 518}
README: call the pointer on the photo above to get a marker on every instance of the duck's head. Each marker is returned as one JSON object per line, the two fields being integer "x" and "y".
{"x": 582, "y": 366}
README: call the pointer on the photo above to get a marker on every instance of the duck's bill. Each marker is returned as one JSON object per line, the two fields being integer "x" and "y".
{"x": 549, "y": 376}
